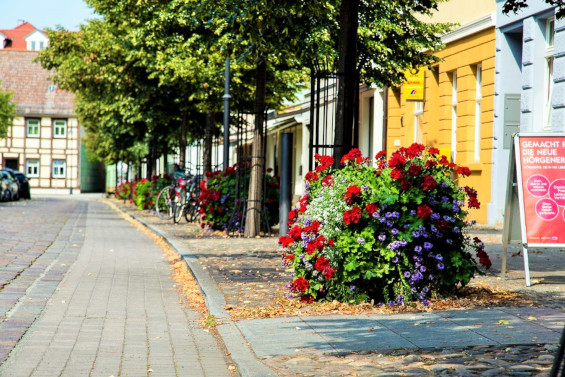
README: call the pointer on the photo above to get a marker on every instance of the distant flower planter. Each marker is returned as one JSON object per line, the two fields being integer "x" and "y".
{"x": 391, "y": 233}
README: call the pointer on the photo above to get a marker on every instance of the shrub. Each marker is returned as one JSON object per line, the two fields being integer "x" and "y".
{"x": 142, "y": 193}
{"x": 123, "y": 191}
{"x": 218, "y": 203}
{"x": 391, "y": 233}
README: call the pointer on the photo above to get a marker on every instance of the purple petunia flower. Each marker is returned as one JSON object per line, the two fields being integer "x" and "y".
{"x": 360, "y": 240}
{"x": 364, "y": 187}
{"x": 407, "y": 274}
{"x": 352, "y": 288}
{"x": 394, "y": 231}
{"x": 418, "y": 248}
{"x": 440, "y": 266}
{"x": 426, "y": 302}
{"x": 382, "y": 237}
{"x": 439, "y": 257}
{"x": 395, "y": 260}
{"x": 428, "y": 245}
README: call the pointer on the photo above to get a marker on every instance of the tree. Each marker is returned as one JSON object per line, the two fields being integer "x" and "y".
{"x": 516, "y": 5}
{"x": 7, "y": 112}
{"x": 377, "y": 41}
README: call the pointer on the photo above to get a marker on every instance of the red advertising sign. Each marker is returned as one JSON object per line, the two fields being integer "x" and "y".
{"x": 540, "y": 160}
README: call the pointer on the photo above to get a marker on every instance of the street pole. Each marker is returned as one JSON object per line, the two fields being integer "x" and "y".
{"x": 285, "y": 200}
{"x": 227, "y": 117}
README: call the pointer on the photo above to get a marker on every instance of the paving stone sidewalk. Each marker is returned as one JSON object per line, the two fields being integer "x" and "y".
{"x": 246, "y": 273}
{"x": 116, "y": 312}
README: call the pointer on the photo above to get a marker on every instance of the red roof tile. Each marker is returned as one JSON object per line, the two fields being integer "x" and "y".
{"x": 18, "y": 35}
{"x": 34, "y": 93}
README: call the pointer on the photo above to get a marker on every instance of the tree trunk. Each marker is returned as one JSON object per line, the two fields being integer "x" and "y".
{"x": 182, "y": 141}
{"x": 207, "y": 147}
{"x": 347, "y": 78}
{"x": 255, "y": 196}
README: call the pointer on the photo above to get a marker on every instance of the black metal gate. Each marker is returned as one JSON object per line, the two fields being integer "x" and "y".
{"x": 243, "y": 148}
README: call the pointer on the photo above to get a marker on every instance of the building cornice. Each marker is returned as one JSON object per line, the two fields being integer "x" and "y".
{"x": 471, "y": 28}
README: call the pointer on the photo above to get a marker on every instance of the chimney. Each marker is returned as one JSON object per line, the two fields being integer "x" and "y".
{"x": 20, "y": 22}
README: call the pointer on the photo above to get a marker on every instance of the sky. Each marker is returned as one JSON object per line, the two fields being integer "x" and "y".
{"x": 44, "y": 14}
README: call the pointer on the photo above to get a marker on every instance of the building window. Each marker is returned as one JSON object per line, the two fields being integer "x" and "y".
{"x": 59, "y": 129}
{"x": 548, "y": 90}
{"x": 418, "y": 115}
{"x": 41, "y": 45}
{"x": 59, "y": 168}
{"x": 453, "y": 116}
{"x": 32, "y": 168}
{"x": 478, "y": 99}
{"x": 32, "y": 127}
{"x": 32, "y": 45}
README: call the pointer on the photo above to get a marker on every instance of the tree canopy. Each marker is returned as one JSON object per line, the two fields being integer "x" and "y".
{"x": 516, "y": 5}
{"x": 7, "y": 112}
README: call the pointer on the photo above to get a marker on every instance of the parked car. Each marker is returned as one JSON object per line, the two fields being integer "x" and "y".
{"x": 23, "y": 182}
{"x": 10, "y": 186}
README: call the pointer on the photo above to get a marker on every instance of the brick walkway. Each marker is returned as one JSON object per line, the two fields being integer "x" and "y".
{"x": 115, "y": 312}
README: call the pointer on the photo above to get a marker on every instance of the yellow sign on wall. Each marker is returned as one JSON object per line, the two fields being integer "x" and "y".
{"x": 413, "y": 87}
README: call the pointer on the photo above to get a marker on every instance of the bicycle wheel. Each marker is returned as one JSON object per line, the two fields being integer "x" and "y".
{"x": 191, "y": 211}
{"x": 179, "y": 210}
{"x": 164, "y": 204}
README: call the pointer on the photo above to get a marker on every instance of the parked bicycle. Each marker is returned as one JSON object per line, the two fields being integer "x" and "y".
{"x": 187, "y": 200}
{"x": 180, "y": 198}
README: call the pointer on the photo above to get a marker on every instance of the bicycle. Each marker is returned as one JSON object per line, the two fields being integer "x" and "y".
{"x": 167, "y": 198}
{"x": 187, "y": 203}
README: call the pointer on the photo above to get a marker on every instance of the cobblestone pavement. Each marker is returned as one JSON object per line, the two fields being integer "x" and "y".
{"x": 39, "y": 241}
{"x": 85, "y": 293}
{"x": 249, "y": 274}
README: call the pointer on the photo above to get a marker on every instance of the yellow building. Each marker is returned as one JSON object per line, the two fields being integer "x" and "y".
{"x": 456, "y": 113}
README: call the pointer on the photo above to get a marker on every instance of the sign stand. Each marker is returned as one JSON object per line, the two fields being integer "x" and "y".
{"x": 511, "y": 230}
{"x": 539, "y": 161}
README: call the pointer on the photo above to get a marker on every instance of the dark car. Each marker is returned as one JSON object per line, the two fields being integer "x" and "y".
{"x": 9, "y": 186}
{"x": 24, "y": 185}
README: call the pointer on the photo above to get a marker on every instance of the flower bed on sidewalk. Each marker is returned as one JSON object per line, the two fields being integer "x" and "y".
{"x": 388, "y": 233}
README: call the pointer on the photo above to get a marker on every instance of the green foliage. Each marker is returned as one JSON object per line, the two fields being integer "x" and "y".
{"x": 142, "y": 194}
{"x": 7, "y": 112}
{"x": 388, "y": 233}
{"x": 218, "y": 202}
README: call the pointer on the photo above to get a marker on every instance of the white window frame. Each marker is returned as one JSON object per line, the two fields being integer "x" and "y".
{"x": 59, "y": 128}
{"x": 418, "y": 112}
{"x": 454, "y": 116}
{"x": 59, "y": 169}
{"x": 36, "y": 128}
{"x": 478, "y": 100}
{"x": 32, "y": 168}
{"x": 548, "y": 79}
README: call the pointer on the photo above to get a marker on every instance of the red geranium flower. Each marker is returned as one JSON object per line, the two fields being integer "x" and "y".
{"x": 354, "y": 155}
{"x": 325, "y": 162}
{"x": 397, "y": 160}
{"x": 371, "y": 208}
{"x": 381, "y": 154}
{"x": 353, "y": 193}
{"x": 424, "y": 211}
{"x": 397, "y": 174}
{"x": 311, "y": 176}
{"x": 352, "y": 216}
{"x": 415, "y": 150}
{"x": 327, "y": 181}
{"x": 415, "y": 169}
{"x": 300, "y": 284}
{"x": 405, "y": 185}
{"x": 464, "y": 171}
{"x": 433, "y": 151}
{"x": 429, "y": 183}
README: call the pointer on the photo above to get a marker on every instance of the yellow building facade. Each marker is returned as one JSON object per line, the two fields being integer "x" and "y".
{"x": 456, "y": 113}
